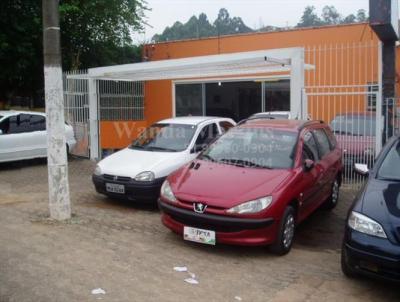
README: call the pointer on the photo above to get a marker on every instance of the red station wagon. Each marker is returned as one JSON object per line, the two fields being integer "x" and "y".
{"x": 254, "y": 184}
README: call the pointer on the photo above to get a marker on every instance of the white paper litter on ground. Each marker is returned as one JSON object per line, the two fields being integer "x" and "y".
{"x": 180, "y": 268}
{"x": 193, "y": 276}
{"x": 238, "y": 298}
{"x": 191, "y": 281}
{"x": 98, "y": 291}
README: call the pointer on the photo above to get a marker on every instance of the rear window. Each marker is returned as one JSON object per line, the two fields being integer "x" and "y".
{"x": 354, "y": 125}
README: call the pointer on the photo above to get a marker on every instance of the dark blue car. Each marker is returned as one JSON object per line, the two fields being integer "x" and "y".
{"x": 371, "y": 244}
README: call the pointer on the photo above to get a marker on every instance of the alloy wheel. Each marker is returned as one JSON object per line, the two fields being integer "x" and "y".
{"x": 288, "y": 232}
{"x": 335, "y": 192}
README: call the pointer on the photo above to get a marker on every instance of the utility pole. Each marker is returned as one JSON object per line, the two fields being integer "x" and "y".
{"x": 57, "y": 163}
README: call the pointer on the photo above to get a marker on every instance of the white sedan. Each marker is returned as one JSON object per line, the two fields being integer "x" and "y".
{"x": 138, "y": 171}
{"x": 23, "y": 135}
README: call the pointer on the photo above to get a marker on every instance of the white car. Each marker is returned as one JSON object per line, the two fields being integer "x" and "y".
{"x": 23, "y": 135}
{"x": 138, "y": 171}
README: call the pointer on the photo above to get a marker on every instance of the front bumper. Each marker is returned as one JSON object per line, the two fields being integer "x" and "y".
{"x": 372, "y": 256}
{"x": 134, "y": 190}
{"x": 228, "y": 230}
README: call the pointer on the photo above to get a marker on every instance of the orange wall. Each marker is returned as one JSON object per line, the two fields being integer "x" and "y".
{"x": 118, "y": 135}
{"x": 259, "y": 41}
{"x": 158, "y": 94}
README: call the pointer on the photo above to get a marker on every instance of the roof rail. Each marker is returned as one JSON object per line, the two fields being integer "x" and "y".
{"x": 255, "y": 118}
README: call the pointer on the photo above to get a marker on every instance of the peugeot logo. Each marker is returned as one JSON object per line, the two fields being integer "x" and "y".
{"x": 199, "y": 207}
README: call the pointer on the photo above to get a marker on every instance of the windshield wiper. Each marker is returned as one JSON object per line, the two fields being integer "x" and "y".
{"x": 242, "y": 163}
{"x": 136, "y": 147}
{"x": 207, "y": 157}
{"x": 389, "y": 179}
{"x": 161, "y": 148}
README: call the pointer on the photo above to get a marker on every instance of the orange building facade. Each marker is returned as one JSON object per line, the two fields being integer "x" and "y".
{"x": 343, "y": 79}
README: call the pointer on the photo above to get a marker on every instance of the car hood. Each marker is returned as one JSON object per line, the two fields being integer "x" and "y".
{"x": 381, "y": 202}
{"x": 129, "y": 162}
{"x": 222, "y": 185}
{"x": 356, "y": 144}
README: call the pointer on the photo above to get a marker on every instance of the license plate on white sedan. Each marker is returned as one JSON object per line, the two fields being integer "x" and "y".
{"x": 115, "y": 188}
{"x": 199, "y": 235}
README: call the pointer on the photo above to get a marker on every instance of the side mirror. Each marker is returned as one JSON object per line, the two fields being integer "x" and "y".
{"x": 308, "y": 164}
{"x": 361, "y": 169}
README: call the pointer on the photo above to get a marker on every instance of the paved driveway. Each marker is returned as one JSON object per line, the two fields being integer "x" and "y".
{"x": 123, "y": 249}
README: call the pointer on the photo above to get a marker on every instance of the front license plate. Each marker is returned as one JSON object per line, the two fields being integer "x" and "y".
{"x": 199, "y": 235}
{"x": 115, "y": 188}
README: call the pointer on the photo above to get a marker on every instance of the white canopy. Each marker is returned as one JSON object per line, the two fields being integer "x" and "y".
{"x": 234, "y": 64}
{"x": 240, "y": 64}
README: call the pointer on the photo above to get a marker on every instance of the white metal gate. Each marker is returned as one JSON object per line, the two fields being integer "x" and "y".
{"x": 87, "y": 102}
{"x": 344, "y": 90}
{"x": 76, "y": 108}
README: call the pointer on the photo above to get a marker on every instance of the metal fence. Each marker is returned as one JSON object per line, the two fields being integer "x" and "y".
{"x": 121, "y": 101}
{"x": 117, "y": 101}
{"x": 343, "y": 91}
{"x": 76, "y": 108}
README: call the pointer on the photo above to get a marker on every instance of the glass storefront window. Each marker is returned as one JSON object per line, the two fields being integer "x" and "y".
{"x": 188, "y": 98}
{"x": 237, "y": 100}
{"x": 277, "y": 96}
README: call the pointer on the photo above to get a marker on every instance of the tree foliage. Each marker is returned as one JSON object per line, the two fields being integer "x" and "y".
{"x": 93, "y": 33}
{"x": 200, "y": 27}
{"x": 329, "y": 16}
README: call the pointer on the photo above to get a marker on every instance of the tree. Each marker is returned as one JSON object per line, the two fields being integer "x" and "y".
{"x": 21, "y": 57}
{"x": 330, "y": 15}
{"x": 200, "y": 27}
{"x": 93, "y": 33}
{"x": 349, "y": 19}
{"x": 362, "y": 15}
{"x": 91, "y": 27}
{"x": 226, "y": 25}
{"x": 309, "y": 18}
{"x": 59, "y": 199}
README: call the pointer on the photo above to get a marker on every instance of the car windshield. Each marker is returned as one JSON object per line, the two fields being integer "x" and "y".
{"x": 356, "y": 125}
{"x": 165, "y": 138}
{"x": 390, "y": 168}
{"x": 254, "y": 147}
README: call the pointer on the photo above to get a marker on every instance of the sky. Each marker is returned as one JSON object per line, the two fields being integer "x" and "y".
{"x": 253, "y": 12}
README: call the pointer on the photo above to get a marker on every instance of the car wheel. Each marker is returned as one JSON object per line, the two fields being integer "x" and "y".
{"x": 333, "y": 199}
{"x": 284, "y": 240}
{"x": 347, "y": 270}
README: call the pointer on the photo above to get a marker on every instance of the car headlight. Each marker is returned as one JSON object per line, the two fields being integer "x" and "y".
{"x": 97, "y": 171}
{"x": 366, "y": 225}
{"x": 252, "y": 206}
{"x": 145, "y": 176}
{"x": 166, "y": 192}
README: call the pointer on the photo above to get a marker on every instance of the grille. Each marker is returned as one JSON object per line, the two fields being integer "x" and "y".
{"x": 206, "y": 226}
{"x": 119, "y": 178}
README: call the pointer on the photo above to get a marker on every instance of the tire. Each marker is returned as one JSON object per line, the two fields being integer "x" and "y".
{"x": 347, "y": 270}
{"x": 333, "y": 199}
{"x": 284, "y": 240}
